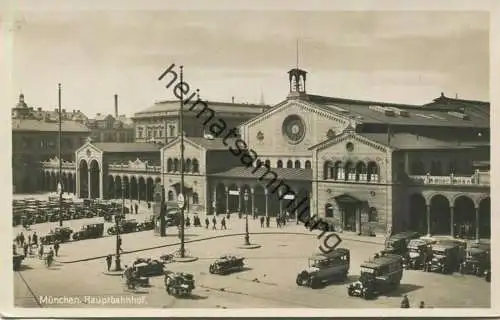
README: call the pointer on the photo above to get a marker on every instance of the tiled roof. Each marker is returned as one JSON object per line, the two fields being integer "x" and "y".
{"x": 408, "y": 141}
{"x": 163, "y": 106}
{"x": 43, "y": 126}
{"x": 414, "y": 115}
{"x": 212, "y": 144}
{"x": 282, "y": 173}
{"x": 124, "y": 147}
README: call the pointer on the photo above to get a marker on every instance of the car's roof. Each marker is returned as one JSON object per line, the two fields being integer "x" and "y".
{"x": 444, "y": 246}
{"x": 381, "y": 261}
{"x": 403, "y": 235}
{"x": 475, "y": 250}
{"x": 337, "y": 252}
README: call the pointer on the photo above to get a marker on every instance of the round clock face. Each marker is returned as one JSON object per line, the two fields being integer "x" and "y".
{"x": 294, "y": 129}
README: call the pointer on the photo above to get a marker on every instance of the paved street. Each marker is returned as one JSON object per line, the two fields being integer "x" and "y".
{"x": 268, "y": 282}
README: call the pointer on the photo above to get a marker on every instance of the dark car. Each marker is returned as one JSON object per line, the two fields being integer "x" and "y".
{"x": 147, "y": 224}
{"x": 148, "y": 268}
{"x": 17, "y": 259}
{"x": 445, "y": 258}
{"x": 126, "y": 226}
{"x": 172, "y": 218}
{"x": 227, "y": 264}
{"x": 179, "y": 284}
{"x": 325, "y": 268}
{"x": 59, "y": 234}
{"x": 419, "y": 251}
{"x": 476, "y": 262}
{"x": 379, "y": 275}
{"x": 89, "y": 231}
{"x": 397, "y": 244}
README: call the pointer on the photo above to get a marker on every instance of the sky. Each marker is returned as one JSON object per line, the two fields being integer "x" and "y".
{"x": 392, "y": 56}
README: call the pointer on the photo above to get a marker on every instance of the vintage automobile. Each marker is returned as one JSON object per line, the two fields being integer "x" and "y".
{"x": 325, "y": 268}
{"x": 126, "y": 226}
{"x": 445, "y": 258}
{"x": 476, "y": 262}
{"x": 62, "y": 234}
{"x": 17, "y": 259}
{"x": 227, "y": 264}
{"x": 179, "y": 284}
{"x": 89, "y": 231}
{"x": 147, "y": 224}
{"x": 148, "y": 268}
{"x": 461, "y": 244}
{"x": 379, "y": 275}
{"x": 419, "y": 251}
{"x": 172, "y": 217}
{"x": 397, "y": 244}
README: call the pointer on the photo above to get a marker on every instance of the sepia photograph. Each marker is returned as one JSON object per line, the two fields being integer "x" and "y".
{"x": 218, "y": 158}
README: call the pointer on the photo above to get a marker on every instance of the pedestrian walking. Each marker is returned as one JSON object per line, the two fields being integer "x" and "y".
{"x": 262, "y": 221}
{"x": 35, "y": 239}
{"x": 405, "y": 303}
{"x": 207, "y": 222}
{"x": 214, "y": 222}
{"x": 40, "y": 252}
{"x": 21, "y": 239}
{"x": 278, "y": 222}
{"x": 422, "y": 305}
{"x": 223, "y": 224}
{"x": 119, "y": 243}
{"x": 108, "y": 261}
{"x": 25, "y": 248}
{"x": 131, "y": 209}
{"x": 268, "y": 221}
{"x": 56, "y": 248}
{"x": 29, "y": 239}
{"x": 136, "y": 208}
{"x": 188, "y": 222}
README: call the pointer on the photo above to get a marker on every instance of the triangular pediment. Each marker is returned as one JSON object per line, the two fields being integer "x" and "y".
{"x": 350, "y": 135}
{"x": 305, "y": 106}
{"x": 177, "y": 141}
{"x": 88, "y": 150}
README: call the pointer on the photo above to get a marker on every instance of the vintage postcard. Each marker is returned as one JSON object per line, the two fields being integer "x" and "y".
{"x": 249, "y": 159}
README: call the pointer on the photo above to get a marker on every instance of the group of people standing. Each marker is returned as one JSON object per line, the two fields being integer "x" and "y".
{"x": 27, "y": 246}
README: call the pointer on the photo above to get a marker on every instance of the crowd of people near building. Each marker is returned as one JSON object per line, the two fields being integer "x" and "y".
{"x": 32, "y": 247}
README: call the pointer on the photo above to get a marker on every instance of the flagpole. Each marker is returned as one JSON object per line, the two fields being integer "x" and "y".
{"x": 181, "y": 128}
{"x": 60, "y": 186}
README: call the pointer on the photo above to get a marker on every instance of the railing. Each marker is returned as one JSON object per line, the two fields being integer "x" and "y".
{"x": 117, "y": 167}
{"x": 51, "y": 165}
{"x": 482, "y": 178}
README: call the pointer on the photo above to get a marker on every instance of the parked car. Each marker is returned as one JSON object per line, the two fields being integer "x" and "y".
{"x": 227, "y": 264}
{"x": 397, "y": 244}
{"x": 147, "y": 224}
{"x": 148, "y": 268}
{"x": 419, "y": 251}
{"x": 461, "y": 244}
{"x": 379, "y": 275}
{"x": 17, "y": 259}
{"x": 179, "y": 284}
{"x": 476, "y": 262}
{"x": 62, "y": 234}
{"x": 126, "y": 226}
{"x": 172, "y": 217}
{"x": 445, "y": 258}
{"x": 89, "y": 231}
{"x": 325, "y": 268}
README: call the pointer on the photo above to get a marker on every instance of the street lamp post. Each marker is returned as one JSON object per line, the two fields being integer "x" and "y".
{"x": 117, "y": 226}
{"x": 60, "y": 185}
{"x": 247, "y": 235}
{"x": 181, "y": 129}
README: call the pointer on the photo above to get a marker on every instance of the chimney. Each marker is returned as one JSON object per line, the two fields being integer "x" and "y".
{"x": 116, "y": 106}
{"x": 232, "y": 99}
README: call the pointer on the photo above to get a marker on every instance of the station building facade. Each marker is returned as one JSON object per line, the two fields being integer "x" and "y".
{"x": 358, "y": 163}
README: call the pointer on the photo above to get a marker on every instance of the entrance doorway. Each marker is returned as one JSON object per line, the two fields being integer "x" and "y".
{"x": 350, "y": 208}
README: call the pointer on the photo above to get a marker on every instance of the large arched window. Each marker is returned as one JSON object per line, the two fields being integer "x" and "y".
{"x": 373, "y": 171}
{"x": 297, "y": 164}
{"x": 289, "y": 164}
{"x": 196, "y": 166}
{"x": 188, "y": 167}
{"x": 308, "y": 164}
{"x": 176, "y": 165}
{"x": 279, "y": 164}
{"x": 268, "y": 163}
{"x": 327, "y": 170}
{"x": 170, "y": 196}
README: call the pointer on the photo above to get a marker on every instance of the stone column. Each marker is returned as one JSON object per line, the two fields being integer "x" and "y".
{"x": 101, "y": 184}
{"x": 252, "y": 203}
{"x": 227, "y": 199}
{"x": 280, "y": 199}
{"x": 266, "y": 196}
{"x": 452, "y": 221}
{"x": 138, "y": 191}
{"x": 428, "y": 215}
{"x": 477, "y": 223}
{"x": 77, "y": 183}
{"x": 89, "y": 184}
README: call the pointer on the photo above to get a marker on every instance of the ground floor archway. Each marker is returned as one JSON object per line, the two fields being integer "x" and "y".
{"x": 418, "y": 213}
{"x": 440, "y": 215}
{"x": 464, "y": 218}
